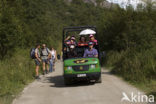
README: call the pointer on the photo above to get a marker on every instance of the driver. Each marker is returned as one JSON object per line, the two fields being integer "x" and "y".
{"x": 91, "y": 52}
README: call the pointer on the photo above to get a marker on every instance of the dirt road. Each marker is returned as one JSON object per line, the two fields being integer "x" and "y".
{"x": 50, "y": 89}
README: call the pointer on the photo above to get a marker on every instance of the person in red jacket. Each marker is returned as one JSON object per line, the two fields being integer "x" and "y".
{"x": 82, "y": 41}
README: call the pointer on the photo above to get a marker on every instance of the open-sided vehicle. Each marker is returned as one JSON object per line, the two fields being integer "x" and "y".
{"x": 80, "y": 68}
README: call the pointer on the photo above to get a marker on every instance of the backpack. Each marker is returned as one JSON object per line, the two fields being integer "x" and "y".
{"x": 46, "y": 50}
{"x": 32, "y": 53}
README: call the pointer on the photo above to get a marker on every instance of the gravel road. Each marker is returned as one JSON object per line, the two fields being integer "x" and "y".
{"x": 50, "y": 89}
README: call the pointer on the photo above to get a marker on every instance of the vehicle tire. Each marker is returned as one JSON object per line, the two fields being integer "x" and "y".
{"x": 99, "y": 80}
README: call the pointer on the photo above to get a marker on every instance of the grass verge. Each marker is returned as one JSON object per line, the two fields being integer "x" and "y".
{"x": 15, "y": 73}
{"x": 138, "y": 68}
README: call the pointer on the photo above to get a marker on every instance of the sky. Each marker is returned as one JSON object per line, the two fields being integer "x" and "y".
{"x": 124, "y": 3}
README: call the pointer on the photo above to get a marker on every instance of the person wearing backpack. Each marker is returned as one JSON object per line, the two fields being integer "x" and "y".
{"x": 37, "y": 60}
{"x": 44, "y": 57}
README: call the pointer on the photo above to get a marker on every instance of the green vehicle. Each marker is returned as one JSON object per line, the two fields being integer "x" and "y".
{"x": 80, "y": 68}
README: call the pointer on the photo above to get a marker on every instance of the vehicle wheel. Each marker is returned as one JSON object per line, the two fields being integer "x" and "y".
{"x": 99, "y": 80}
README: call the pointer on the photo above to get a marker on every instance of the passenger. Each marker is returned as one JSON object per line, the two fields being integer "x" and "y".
{"x": 44, "y": 57}
{"x": 37, "y": 60}
{"x": 92, "y": 39}
{"x": 91, "y": 52}
{"x": 72, "y": 53}
{"x": 82, "y": 41}
{"x": 71, "y": 41}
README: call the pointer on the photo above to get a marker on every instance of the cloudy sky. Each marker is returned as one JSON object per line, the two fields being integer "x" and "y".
{"x": 124, "y": 3}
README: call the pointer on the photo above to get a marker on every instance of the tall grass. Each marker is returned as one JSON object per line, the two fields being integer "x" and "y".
{"x": 15, "y": 73}
{"x": 136, "y": 67}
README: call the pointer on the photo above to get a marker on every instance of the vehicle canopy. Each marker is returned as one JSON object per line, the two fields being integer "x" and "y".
{"x": 75, "y": 33}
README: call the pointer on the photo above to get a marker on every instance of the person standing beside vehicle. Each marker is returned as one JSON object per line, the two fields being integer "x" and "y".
{"x": 55, "y": 59}
{"x": 44, "y": 57}
{"x": 52, "y": 57}
{"x": 37, "y": 60}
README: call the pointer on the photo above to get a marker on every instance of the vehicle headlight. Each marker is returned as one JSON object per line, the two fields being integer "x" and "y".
{"x": 92, "y": 66}
{"x": 69, "y": 67}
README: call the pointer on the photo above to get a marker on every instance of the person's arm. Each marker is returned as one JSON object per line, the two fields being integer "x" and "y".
{"x": 36, "y": 55}
{"x": 96, "y": 56}
{"x": 85, "y": 53}
{"x": 55, "y": 55}
{"x": 49, "y": 56}
{"x": 48, "y": 51}
{"x": 67, "y": 38}
{"x": 96, "y": 53}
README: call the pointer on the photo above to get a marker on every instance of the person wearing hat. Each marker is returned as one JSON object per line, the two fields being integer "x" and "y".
{"x": 90, "y": 52}
{"x": 92, "y": 39}
{"x": 70, "y": 41}
{"x": 72, "y": 53}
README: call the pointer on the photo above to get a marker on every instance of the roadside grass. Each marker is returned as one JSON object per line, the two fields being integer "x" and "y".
{"x": 148, "y": 88}
{"x": 137, "y": 68}
{"x": 15, "y": 73}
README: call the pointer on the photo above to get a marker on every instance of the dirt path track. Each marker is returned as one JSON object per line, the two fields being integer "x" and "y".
{"x": 50, "y": 89}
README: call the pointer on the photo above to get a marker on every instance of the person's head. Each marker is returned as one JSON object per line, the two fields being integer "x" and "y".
{"x": 72, "y": 39}
{"x": 90, "y": 44}
{"x": 51, "y": 48}
{"x": 92, "y": 37}
{"x": 44, "y": 45}
{"x": 37, "y": 45}
{"x": 82, "y": 39}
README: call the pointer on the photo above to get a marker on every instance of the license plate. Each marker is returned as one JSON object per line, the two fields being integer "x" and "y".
{"x": 81, "y": 75}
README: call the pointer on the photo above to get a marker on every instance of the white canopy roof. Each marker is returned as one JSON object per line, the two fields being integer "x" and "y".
{"x": 87, "y": 31}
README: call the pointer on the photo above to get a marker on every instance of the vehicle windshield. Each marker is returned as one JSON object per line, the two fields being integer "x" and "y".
{"x": 78, "y": 46}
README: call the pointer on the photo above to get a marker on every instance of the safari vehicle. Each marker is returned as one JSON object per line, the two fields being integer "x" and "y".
{"x": 80, "y": 68}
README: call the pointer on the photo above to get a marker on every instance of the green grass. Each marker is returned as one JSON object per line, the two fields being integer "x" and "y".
{"x": 148, "y": 88}
{"x": 15, "y": 74}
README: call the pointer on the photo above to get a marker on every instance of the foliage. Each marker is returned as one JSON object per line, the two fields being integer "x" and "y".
{"x": 15, "y": 73}
{"x": 127, "y": 36}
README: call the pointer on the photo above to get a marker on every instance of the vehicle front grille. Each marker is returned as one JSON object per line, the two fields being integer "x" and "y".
{"x": 81, "y": 68}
